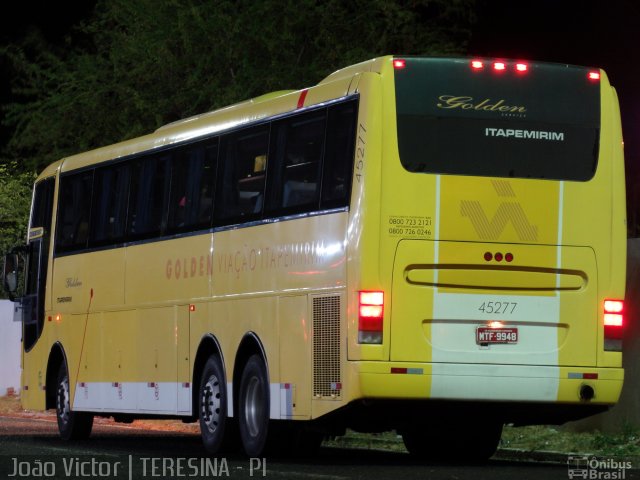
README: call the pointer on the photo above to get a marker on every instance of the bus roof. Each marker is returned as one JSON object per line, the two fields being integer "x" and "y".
{"x": 225, "y": 118}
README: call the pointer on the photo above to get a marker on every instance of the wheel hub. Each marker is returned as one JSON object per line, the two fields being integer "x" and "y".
{"x": 211, "y": 401}
{"x": 62, "y": 401}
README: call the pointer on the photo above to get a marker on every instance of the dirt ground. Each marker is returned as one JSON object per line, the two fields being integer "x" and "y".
{"x": 10, "y": 406}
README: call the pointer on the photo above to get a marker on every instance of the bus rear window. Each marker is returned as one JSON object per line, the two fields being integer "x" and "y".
{"x": 540, "y": 123}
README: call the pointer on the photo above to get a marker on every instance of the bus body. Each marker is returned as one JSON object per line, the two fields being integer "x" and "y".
{"x": 430, "y": 245}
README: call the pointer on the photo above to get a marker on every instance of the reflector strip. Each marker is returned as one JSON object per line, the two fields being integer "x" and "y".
{"x": 582, "y": 376}
{"x": 408, "y": 371}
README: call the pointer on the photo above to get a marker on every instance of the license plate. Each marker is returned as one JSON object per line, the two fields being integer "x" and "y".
{"x": 486, "y": 335}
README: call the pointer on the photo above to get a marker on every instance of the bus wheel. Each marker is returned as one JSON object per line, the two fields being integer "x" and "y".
{"x": 212, "y": 405}
{"x": 72, "y": 425}
{"x": 253, "y": 406}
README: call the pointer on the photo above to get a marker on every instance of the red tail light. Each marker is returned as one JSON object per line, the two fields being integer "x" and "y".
{"x": 594, "y": 75}
{"x": 399, "y": 63}
{"x": 613, "y": 324}
{"x": 370, "y": 315}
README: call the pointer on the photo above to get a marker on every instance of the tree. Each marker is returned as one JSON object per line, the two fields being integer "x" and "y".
{"x": 15, "y": 199}
{"x": 133, "y": 66}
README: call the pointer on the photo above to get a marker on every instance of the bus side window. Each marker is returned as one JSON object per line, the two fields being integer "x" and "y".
{"x": 338, "y": 160}
{"x": 73, "y": 211}
{"x": 192, "y": 183}
{"x": 109, "y": 208}
{"x": 240, "y": 192}
{"x": 295, "y": 172}
{"x": 148, "y": 197}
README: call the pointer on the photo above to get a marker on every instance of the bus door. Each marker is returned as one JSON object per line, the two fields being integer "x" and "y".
{"x": 31, "y": 306}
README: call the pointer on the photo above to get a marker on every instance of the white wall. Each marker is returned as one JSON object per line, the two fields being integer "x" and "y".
{"x": 10, "y": 346}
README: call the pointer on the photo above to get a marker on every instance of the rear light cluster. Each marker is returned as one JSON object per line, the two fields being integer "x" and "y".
{"x": 370, "y": 315}
{"x": 613, "y": 324}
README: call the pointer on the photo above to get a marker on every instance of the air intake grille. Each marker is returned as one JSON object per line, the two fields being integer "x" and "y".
{"x": 326, "y": 347}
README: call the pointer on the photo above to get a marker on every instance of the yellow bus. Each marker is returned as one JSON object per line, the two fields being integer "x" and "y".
{"x": 434, "y": 246}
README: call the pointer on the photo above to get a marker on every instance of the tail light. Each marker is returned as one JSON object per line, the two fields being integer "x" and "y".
{"x": 399, "y": 63}
{"x": 594, "y": 75}
{"x": 613, "y": 324}
{"x": 370, "y": 315}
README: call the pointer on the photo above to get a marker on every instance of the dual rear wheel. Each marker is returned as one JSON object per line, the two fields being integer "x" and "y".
{"x": 257, "y": 433}
{"x": 253, "y": 407}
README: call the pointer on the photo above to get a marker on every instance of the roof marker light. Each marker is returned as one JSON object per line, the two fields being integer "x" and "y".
{"x": 499, "y": 66}
{"x": 522, "y": 67}
{"x": 477, "y": 65}
{"x": 399, "y": 63}
{"x": 593, "y": 75}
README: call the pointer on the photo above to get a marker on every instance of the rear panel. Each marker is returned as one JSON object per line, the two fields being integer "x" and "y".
{"x": 502, "y": 214}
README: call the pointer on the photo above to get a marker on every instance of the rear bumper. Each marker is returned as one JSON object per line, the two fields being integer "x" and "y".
{"x": 487, "y": 382}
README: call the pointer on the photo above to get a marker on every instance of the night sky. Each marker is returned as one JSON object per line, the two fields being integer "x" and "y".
{"x": 602, "y": 34}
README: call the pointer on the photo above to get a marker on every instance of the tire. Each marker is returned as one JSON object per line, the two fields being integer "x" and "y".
{"x": 253, "y": 407}
{"x": 473, "y": 444}
{"x": 72, "y": 425}
{"x": 212, "y": 405}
